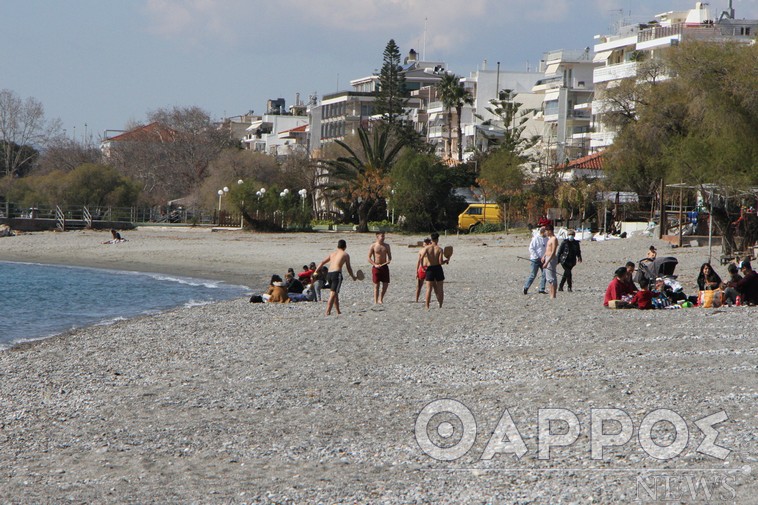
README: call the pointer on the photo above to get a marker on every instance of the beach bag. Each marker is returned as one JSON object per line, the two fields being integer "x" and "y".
{"x": 256, "y": 299}
{"x": 711, "y": 298}
{"x": 661, "y": 302}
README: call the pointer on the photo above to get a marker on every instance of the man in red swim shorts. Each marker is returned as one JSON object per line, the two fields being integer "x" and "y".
{"x": 380, "y": 255}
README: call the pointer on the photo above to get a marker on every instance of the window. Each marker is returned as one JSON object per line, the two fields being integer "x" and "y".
{"x": 475, "y": 211}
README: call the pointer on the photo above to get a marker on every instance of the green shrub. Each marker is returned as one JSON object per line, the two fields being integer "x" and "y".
{"x": 488, "y": 228}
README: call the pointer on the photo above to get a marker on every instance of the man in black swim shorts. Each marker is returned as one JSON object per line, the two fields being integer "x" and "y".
{"x": 435, "y": 276}
{"x": 335, "y": 260}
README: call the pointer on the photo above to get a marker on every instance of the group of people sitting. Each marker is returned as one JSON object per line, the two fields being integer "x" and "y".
{"x": 303, "y": 286}
{"x": 622, "y": 293}
{"x": 740, "y": 288}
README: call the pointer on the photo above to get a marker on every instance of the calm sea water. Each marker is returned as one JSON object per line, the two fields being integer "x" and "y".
{"x": 38, "y": 301}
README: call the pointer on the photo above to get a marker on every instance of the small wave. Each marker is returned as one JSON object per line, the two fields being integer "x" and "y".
{"x": 198, "y": 303}
{"x": 109, "y": 322}
{"x": 189, "y": 281}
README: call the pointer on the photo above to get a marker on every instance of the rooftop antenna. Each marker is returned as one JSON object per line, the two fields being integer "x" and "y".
{"x": 619, "y": 16}
{"x": 423, "y": 56}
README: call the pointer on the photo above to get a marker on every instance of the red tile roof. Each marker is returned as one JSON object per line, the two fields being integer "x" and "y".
{"x": 153, "y": 132}
{"x": 593, "y": 161}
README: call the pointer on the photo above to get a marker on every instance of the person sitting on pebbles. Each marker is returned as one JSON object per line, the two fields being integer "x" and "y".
{"x": 618, "y": 293}
{"x": 117, "y": 238}
{"x": 277, "y": 291}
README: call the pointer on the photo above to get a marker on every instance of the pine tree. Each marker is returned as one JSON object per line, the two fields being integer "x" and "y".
{"x": 391, "y": 96}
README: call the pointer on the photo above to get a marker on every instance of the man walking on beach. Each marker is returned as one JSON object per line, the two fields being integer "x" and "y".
{"x": 550, "y": 261}
{"x": 336, "y": 260}
{"x": 379, "y": 255}
{"x": 536, "y": 252}
{"x": 435, "y": 276}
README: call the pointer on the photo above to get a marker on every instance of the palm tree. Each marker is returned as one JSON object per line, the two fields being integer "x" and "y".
{"x": 454, "y": 96}
{"x": 362, "y": 177}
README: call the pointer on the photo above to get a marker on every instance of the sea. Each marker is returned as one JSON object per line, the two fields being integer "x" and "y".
{"x": 39, "y": 301}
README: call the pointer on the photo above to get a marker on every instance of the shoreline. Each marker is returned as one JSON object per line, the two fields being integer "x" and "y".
{"x": 198, "y": 292}
{"x": 264, "y": 403}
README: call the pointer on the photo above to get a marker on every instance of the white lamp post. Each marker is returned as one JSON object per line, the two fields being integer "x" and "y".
{"x": 283, "y": 194}
{"x": 221, "y": 192}
{"x": 303, "y": 193}
{"x": 242, "y": 207}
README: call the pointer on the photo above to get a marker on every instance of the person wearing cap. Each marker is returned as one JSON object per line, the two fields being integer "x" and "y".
{"x": 747, "y": 287}
{"x": 617, "y": 289}
{"x": 569, "y": 253}
{"x": 536, "y": 252}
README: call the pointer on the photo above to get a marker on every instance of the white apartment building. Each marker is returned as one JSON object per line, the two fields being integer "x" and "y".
{"x": 566, "y": 90}
{"x": 341, "y": 113}
{"x": 273, "y": 134}
{"x": 480, "y": 127}
{"x": 618, "y": 56}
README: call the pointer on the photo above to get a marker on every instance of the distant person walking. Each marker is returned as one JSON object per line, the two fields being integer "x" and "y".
{"x": 435, "y": 276}
{"x": 550, "y": 260}
{"x": 536, "y": 252}
{"x": 569, "y": 253}
{"x": 336, "y": 260}
{"x": 380, "y": 255}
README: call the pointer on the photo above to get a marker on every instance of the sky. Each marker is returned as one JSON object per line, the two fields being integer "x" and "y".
{"x": 101, "y": 65}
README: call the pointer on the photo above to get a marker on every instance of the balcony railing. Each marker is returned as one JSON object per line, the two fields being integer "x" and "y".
{"x": 615, "y": 72}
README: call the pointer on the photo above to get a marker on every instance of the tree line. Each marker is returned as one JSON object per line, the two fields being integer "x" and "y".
{"x": 689, "y": 116}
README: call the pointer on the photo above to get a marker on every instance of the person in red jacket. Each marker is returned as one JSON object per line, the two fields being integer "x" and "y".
{"x": 618, "y": 287}
{"x": 643, "y": 299}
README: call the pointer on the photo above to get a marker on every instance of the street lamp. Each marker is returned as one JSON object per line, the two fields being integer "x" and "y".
{"x": 283, "y": 194}
{"x": 303, "y": 193}
{"x": 242, "y": 207}
{"x": 221, "y": 192}
{"x": 259, "y": 194}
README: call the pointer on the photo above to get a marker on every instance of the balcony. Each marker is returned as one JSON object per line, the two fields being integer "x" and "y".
{"x": 615, "y": 72}
{"x": 601, "y": 139}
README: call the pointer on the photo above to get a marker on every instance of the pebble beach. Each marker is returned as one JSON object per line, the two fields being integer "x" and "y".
{"x": 235, "y": 402}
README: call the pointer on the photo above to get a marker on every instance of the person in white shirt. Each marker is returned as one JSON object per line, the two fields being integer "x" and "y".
{"x": 536, "y": 252}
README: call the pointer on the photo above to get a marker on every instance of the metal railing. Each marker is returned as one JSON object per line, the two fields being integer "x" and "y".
{"x": 60, "y": 219}
{"x": 88, "y": 215}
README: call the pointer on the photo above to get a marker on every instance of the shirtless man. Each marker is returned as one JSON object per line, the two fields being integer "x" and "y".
{"x": 379, "y": 255}
{"x": 336, "y": 260}
{"x": 550, "y": 261}
{"x": 421, "y": 270}
{"x": 435, "y": 276}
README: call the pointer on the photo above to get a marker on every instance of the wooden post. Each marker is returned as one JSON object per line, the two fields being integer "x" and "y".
{"x": 681, "y": 190}
{"x": 663, "y": 228}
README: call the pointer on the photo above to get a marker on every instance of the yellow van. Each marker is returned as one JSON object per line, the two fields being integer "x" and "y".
{"x": 478, "y": 213}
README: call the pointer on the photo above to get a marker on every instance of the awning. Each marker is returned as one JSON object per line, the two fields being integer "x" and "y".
{"x": 552, "y": 95}
{"x": 552, "y": 69}
{"x": 601, "y": 57}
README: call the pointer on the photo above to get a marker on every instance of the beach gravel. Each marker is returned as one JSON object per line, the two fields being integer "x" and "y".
{"x": 255, "y": 403}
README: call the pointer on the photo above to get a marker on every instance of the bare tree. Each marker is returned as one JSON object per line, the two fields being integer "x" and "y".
{"x": 23, "y": 130}
{"x": 66, "y": 154}
{"x": 170, "y": 156}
